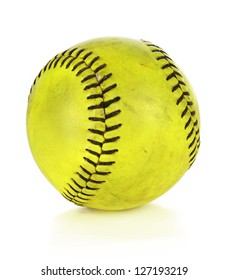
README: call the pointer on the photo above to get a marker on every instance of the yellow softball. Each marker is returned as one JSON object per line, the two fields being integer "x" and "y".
{"x": 112, "y": 123}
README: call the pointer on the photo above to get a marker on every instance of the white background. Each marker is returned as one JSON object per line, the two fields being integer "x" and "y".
{"x": 188, "y": 226}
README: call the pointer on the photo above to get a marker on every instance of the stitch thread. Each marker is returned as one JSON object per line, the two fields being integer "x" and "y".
{"x": 192, "y": 125}
{"x": 79, "y": 61}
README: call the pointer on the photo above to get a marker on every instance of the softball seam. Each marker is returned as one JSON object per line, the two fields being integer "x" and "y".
{"x": 79, "y": 61}
{"x": 192, "y": 124}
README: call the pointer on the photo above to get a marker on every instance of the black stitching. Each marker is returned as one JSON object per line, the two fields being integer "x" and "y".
{"x": 113, "y": 127}
{"x": 79, "y": 59}
{"x": 169, "y": 65}
{"x": 163, "y": 57}
{"x": 185, "y": 93}
{"x": 102, "y": 173}
{"x": 70, "y": 193}
{"x": 93, "y": 152}
{"x": 193, "y": 151}
{"x": 96, "y": 181}
{"x": 91, "y": 188}
{"x": 82, "y": 177}
{"x": 72, "y": 51}
{"x": 70, "y": 198}
{"x": 78, "y": 202}
{"x": 95, "y": 119}
{"x": 157, "y": 50}
{"x": 105, "y": 163}
{"x": 73, "y": 188}
{"x": 94, "y": 96}
{"x": 93, "y": 61}
{"x": 97, "y": 143}
{"x": 100, "y": 68}
{"x": 64, "y": 60}
{"x": 91, "y": 76}
{"x": 104, "y": 104}
{"x": 180, "y": 99}
{"x": 79, "y": 52}
{"x": 113, "y": 139}
{"x": 109, "y": 152}
{"x": 96, "y": 131}
{"x": 52, "y": 61}
{"x": 39, "y": 75}
{"x": 192, "y": 158}
{"x": 109, "y": 88}
{"x": 90, "y": 161}
{"x": 44, "y": 69}
{"x": 83, "y": 198}
{"x": 63, "y": 53}
{"x": 85, "y": 170}
{"x": 184, "y": 112}
{"x": 190, "y": 133}
{"x": 188, "y": 123}
{"x": 179, "y": 86}
{"x": 149, "y": 44}
{"x": 192, "y": 143}
{"x": 87, "y": 55}
{"x": 113, "y": 114}
{"x": 174, "y": 74}
{"x": 87, "y": 194}
{"x": 56, "y": 62}
{"x": 78, "y": 185}
{"x": 70, "y": 62}
{"x": 104, "y": 78}
{"x": 77, "y": 65}
{"x": 82, "y": 70}
{"x": 94, "y": 85}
